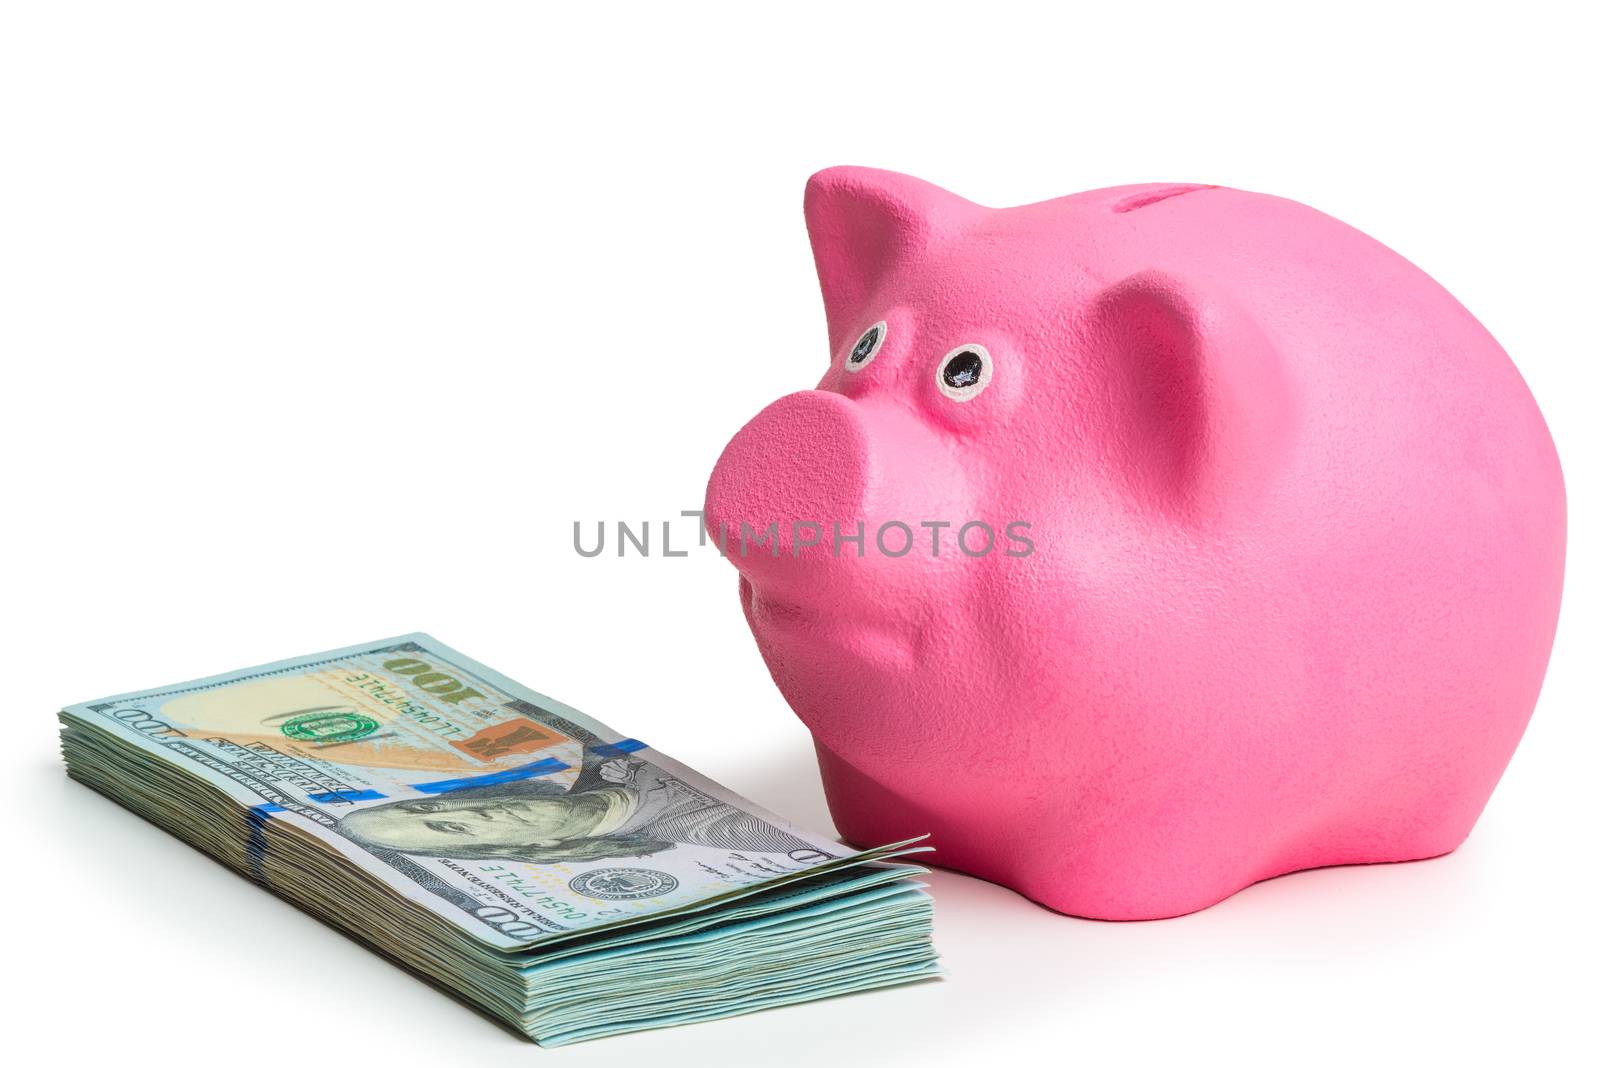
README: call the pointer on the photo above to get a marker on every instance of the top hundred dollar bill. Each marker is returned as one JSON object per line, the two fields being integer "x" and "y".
{"x": 513, "y": 817}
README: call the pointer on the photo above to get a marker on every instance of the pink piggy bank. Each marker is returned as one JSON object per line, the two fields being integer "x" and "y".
{"x": 1144, "y": 543}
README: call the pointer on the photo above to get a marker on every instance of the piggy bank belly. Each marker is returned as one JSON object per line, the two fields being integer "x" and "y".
{"x": 1295, "y": 534}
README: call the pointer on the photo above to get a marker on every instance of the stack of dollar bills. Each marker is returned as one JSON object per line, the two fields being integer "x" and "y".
{"x": 560, "y": 876}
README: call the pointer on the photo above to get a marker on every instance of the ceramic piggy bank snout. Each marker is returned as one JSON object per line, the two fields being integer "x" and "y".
{"x": 792, "y": 497}
{"x": 1146, "y": 543}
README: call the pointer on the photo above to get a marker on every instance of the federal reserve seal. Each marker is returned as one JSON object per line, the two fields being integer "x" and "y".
{"x": 623, "y": 884}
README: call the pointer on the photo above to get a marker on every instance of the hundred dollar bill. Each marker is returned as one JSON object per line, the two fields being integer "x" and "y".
{"x": 555, "y": 873}
{"x": 511, "y": 816}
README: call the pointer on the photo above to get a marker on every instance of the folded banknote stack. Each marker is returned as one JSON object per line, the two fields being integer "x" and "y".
{"x": 557, "y": 875}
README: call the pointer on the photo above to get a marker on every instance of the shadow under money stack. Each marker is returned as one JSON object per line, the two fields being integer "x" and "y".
{"x": 545, "y": 869}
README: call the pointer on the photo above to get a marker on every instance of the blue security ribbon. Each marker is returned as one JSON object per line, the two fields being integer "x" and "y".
{"x": 622, "y": 748}
{"x": 346, "y": 795}
{"x": 255, "y": 842}
{"x": 547, "y": 766}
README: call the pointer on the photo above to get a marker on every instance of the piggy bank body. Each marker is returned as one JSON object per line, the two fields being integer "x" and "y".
{"x": 1144, "y": 543}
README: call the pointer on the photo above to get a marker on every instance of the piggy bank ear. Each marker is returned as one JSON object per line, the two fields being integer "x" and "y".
{"x": 1198, "y": 409}
{"x": 862, "y": 223}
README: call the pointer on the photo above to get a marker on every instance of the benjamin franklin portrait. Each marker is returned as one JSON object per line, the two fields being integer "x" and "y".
{"x": 616, "y": 807}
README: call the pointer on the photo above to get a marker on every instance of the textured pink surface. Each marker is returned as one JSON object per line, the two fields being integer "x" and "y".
{"x": 1299, "y": 534}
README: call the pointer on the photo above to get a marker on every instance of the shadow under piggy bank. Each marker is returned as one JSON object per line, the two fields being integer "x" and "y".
{"x": 1145, "y": 543}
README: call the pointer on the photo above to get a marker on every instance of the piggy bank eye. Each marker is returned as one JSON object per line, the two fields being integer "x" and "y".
{"x": 867, "y": 347}
{"x": 964, "y": 372}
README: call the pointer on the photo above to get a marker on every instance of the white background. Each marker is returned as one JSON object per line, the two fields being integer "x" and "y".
{"x": 324, "y": 322}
